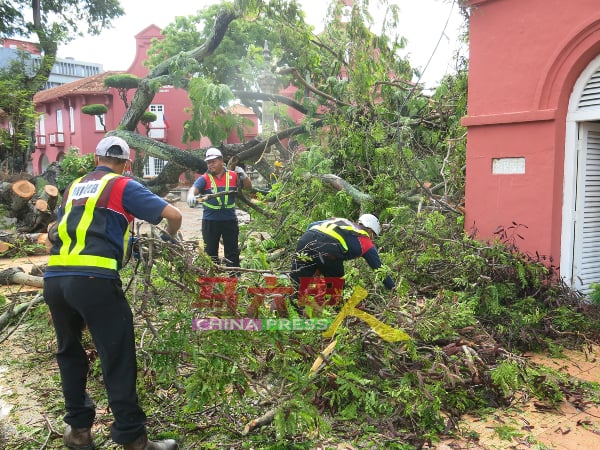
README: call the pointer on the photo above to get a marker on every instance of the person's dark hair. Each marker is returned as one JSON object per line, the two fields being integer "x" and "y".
{"x": 112, "y": 155}
{"x": 114, "y": 150}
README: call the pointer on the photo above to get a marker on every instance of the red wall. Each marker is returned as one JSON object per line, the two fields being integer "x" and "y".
{"x": 525, "y": 57}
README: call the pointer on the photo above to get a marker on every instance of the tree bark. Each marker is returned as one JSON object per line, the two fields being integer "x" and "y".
{"x": 187, "y": 159}
{"x": 18, "y": 309}
{"x": 261, "y": 421}
{"x": 17, "y": 276}
{"x": 339, "y": 184}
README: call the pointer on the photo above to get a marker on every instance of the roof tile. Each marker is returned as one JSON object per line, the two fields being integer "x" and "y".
{"x": 89, "y": 85}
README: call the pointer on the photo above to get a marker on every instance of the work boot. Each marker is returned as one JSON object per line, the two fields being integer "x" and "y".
{"x": 142, "y": 443}
{"x": 78, "y": 438}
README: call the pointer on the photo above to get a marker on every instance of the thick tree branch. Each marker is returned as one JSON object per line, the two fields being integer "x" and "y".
{"x": 192, "y": 159}
{"x": 245, "y": 95}
{"x": 256, "y": 149}
{"x": 339, "y": 184}
{"x": 293, "y": 71}
{"x": 162, "y": 72}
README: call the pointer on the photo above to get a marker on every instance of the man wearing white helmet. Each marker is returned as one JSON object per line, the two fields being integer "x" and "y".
{"x": 325, "y": 246}
{"x": 219, "y": 219}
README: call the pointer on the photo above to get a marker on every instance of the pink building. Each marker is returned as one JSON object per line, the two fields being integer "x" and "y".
{"x": 17, "y": 44}
{"x": 533, "y": 148}
{"x": 63, "y": 125}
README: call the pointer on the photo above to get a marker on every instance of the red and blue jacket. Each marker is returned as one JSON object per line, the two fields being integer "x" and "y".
{"x": 94, "y": 222}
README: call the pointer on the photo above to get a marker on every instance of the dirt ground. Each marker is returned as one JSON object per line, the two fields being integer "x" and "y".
{"x": 525, "y": 425}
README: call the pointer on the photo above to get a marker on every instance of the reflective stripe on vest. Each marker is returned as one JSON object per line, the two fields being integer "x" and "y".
{"x": 329, "y": 228}
{"x": 74, "y": 257}
{"x": 222, "y": 203}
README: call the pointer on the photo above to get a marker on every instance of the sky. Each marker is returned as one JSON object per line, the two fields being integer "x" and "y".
{"x": 430, "y": 26}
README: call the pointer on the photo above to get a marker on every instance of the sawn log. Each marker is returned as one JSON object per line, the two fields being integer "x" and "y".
{"x": 18, "y": 276}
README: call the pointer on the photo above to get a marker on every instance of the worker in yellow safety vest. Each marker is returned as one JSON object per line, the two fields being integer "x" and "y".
{"x": 219, "y": 217}
{"x": 324, "y": 247}
{"x": 82, "y": 287}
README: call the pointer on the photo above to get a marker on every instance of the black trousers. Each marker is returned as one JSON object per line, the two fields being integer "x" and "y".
{"x": 212, "y": 231}
{"x": 317, "y": 252}
{"x": 99, "y": 303}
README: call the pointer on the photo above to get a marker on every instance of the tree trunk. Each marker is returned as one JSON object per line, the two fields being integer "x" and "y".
{"x": 22, "y": 192}
{"x": 188, "y": 159}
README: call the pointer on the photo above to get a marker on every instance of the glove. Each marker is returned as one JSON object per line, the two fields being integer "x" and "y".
{"x": 240, "y": 171}
{"x": 191, "y": 200}
{"x": 168, "y": 238}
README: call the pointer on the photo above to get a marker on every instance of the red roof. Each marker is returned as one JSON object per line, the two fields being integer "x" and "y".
{"x": 240, "y": 109}
{"x": 89, "y": 85}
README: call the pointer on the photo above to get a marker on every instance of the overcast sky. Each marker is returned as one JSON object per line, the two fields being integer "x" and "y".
{"x": 422, "y": 22}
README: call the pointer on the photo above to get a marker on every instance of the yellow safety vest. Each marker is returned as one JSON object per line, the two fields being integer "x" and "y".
{"x": 330, "y": 227}
{"x": 221, "y": 202}
{"x": 72, "y": 254}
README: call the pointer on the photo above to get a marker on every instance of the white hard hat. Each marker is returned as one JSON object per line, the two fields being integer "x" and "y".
{"x": 213, "y": 153}
{"x": 105, "y": 147}
{"x": 370, "y": 221}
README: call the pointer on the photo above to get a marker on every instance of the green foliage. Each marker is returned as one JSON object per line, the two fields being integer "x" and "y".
{"x": 238, "y": 61}
{"x": 208, "y": 119}
{"x": 507, "y": 432}
{"x": 508, "y": 377}
{"x": 148, "y": 117}
{"x": 73, "y": 166}
{"x": 51, "y": 23}
{"x": 95, "y": 109}
{"x": 58, "y": 19}
{"x": 595, "y": 293}
{"x": 122, "y": 81}
{"x": 18, "y": 111}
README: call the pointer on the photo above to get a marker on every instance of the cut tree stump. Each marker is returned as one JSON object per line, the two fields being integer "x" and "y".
{"x": 23, "y": 191}
{"x": 50, "y": 195}
{"x": 42, "y": 205}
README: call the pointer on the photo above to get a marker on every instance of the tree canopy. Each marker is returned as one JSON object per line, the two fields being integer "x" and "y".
{"x": 51, "y": 23}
